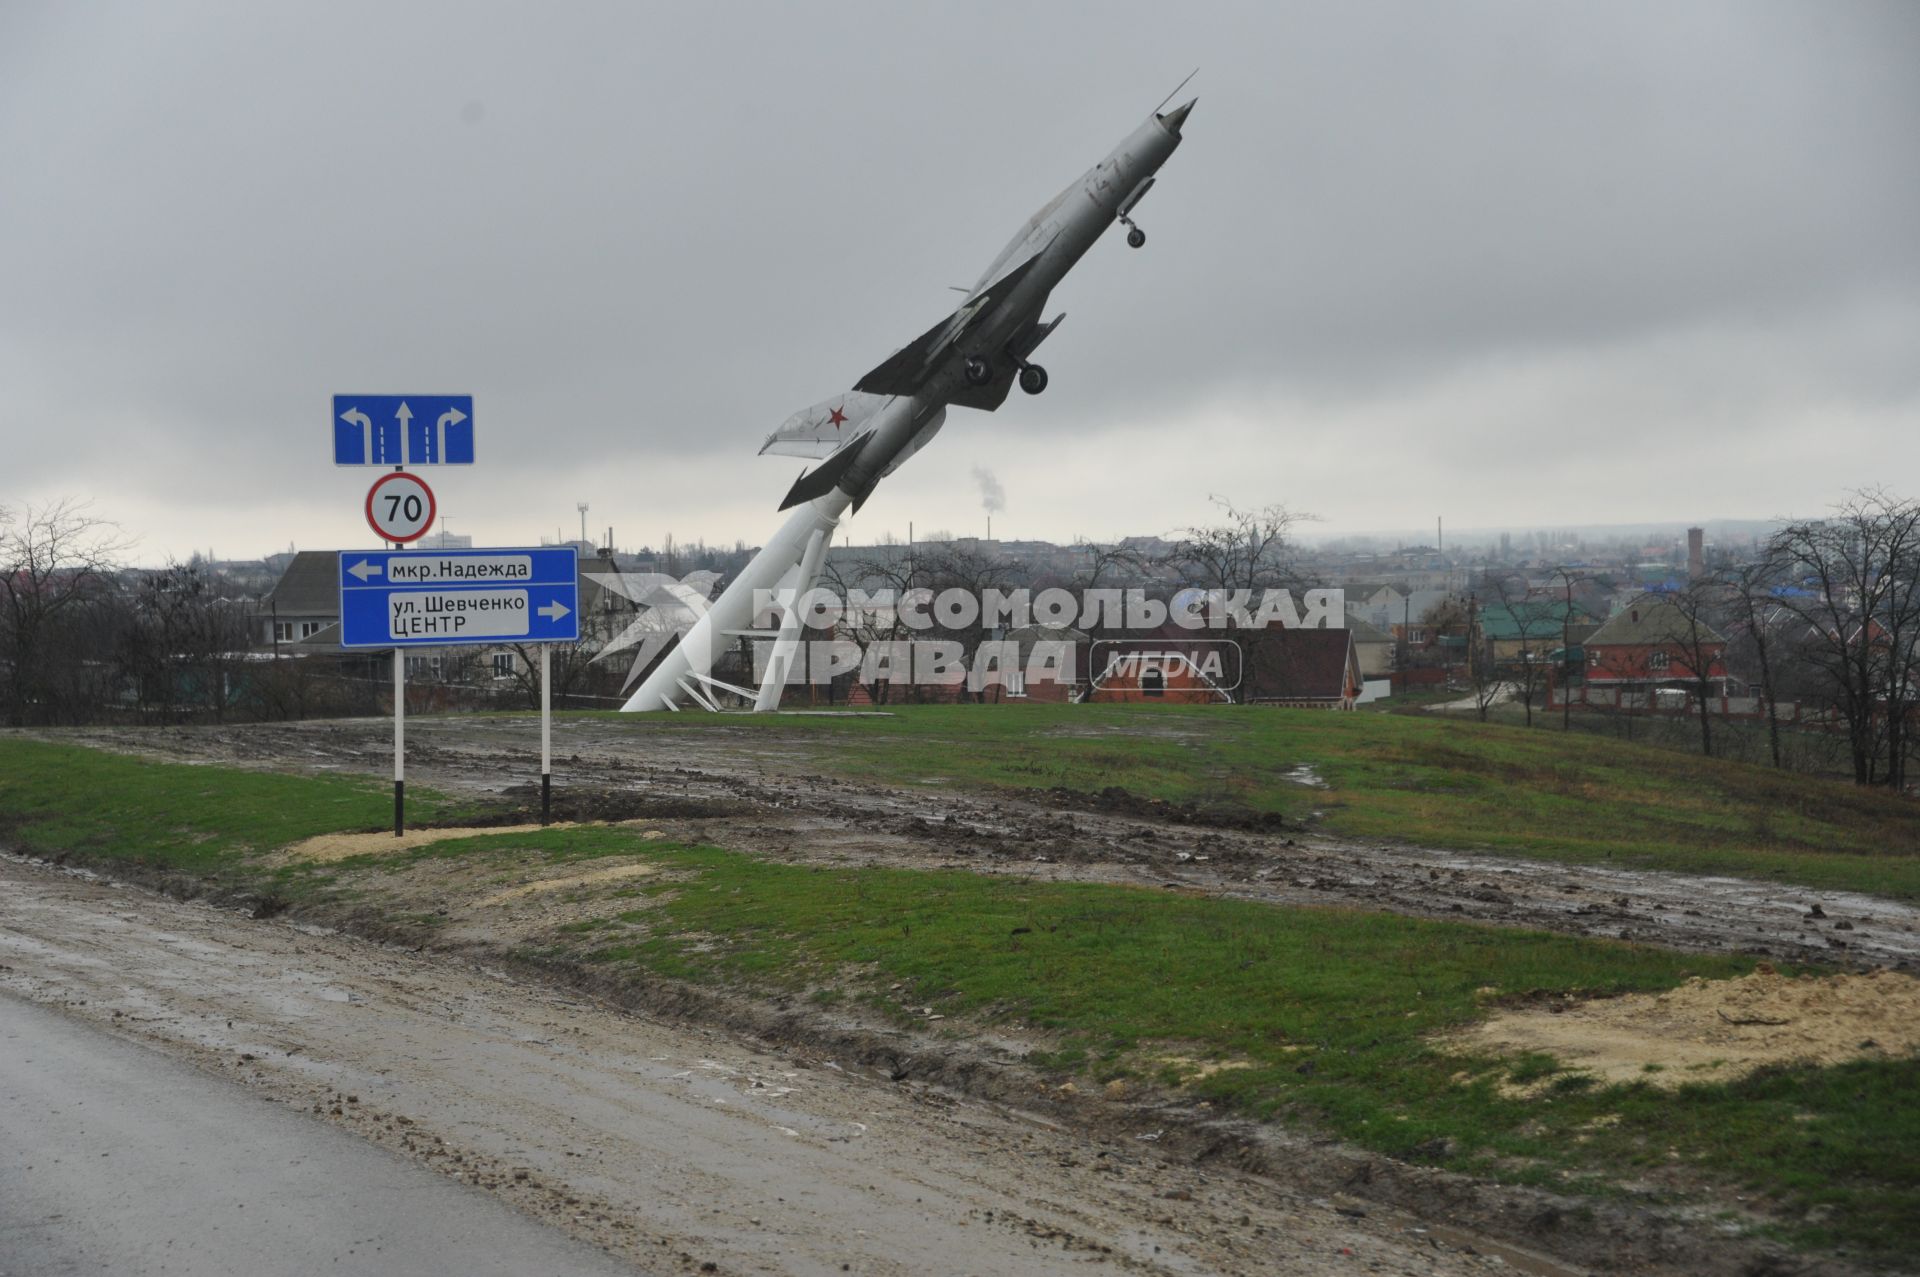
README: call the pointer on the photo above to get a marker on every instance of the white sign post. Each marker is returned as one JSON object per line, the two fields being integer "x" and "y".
{"x": 399, "y": 742}
{"x": 444, "y": 598}
{"x": 546, "y": 735}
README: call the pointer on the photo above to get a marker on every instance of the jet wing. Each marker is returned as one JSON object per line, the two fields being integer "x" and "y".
{"x": 820, "y": 431}
{"x": 910, "y": 367}
{"x": 989, "y": 397}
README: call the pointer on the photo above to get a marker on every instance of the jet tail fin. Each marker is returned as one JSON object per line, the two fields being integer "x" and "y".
{"x": 823, "y": 478}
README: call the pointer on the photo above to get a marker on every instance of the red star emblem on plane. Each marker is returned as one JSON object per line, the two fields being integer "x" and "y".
{"x": 838, "y": 419}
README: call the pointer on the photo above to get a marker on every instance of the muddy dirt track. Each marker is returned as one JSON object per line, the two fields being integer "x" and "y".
{"x": 679, "y": 1149}
{"x": 752, "y": 790}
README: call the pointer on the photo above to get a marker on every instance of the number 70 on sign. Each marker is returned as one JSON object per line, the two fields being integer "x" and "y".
{"x": 400, "y": 507}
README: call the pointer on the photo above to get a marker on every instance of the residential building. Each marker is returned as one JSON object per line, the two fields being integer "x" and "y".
{"x": 1531, "y": 628}
{"x": 1308, "y": 669}
{"x": 1373, "y": 647}
{"x": 304, "y": 601}
{"x": 1654, "y": 642}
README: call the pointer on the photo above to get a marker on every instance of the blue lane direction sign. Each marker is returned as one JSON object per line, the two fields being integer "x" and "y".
{"x": 443, "y": 598}
{"x": 413, "y": 430}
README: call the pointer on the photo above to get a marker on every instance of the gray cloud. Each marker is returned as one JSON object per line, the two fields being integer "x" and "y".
{"x": 1409, "y": 253}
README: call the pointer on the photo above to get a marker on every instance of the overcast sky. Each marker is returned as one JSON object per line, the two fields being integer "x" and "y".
{"x": 1510, "y": 263}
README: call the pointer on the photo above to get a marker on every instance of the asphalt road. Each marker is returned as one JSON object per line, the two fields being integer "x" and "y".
{"x": 117, "y": 1159}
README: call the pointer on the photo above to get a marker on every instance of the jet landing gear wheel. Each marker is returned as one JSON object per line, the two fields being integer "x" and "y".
{"x": 1136, "y": 238}
{"x": 1033, "y": 379}
{"x": 978, "y": 371}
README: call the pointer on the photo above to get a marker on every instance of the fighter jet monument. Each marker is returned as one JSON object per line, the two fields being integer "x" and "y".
{"x": 971, "y": 359}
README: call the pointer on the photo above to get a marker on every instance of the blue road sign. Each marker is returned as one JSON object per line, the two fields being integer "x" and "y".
{"x": 412, "y": 430}
{"x": 440, "y": 598}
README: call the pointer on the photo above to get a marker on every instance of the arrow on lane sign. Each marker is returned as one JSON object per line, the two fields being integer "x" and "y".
{"x": 380, "y": 430}
{"x": 364, "y": 569}
{"x": 451, "y": 417}
{"x": 354, "y": 417}
{"x": 380, "y": 443}
{"x": 554, "y": 611}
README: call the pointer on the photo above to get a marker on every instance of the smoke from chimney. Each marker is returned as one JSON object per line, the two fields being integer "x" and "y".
{"x": 993, "y": 497}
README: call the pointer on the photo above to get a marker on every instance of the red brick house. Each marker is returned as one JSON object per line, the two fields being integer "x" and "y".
{"x": 1653, "y": 642}
{"x": 1309, "y": 669}
{"x": 1317, "y": 668}
{"x": 1171, "y": 667}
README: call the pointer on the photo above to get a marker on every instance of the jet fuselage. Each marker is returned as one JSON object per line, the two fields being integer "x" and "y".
{"x": 1057, "y": 236}
{"x": 967, "y": 361}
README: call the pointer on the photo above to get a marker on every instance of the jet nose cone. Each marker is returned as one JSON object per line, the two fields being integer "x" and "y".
{"x": 1172, "y": 120}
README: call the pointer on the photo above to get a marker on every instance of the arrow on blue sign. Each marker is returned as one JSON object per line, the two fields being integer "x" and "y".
{"x": 392, "y": 430}
{"x": 360, "y": 441}
{"x": 404, "y": 598}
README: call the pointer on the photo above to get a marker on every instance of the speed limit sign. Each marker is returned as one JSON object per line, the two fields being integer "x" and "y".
{"x": 400, "y": 507}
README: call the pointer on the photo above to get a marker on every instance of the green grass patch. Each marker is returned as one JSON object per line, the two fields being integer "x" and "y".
{"x": 1537, "y": 793}
{"x": 65, "y": 800}
{"x": 1319, "y": 1016}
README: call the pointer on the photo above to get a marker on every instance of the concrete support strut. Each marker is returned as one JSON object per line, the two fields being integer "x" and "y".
{"x": 685, "y": 674}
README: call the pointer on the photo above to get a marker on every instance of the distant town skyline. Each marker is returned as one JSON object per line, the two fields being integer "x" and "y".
{"x": 1467, "y": 542}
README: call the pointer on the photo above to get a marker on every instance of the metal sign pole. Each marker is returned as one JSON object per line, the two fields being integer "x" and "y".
{"x": 396, "y": 599}
{"x": 546, "y": 734}
{"x": 399, "y": 742}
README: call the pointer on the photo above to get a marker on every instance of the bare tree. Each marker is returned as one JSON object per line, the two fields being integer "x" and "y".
{"x": 1751, "y": 598}
{"x": 288, "y": 687}
{"x": 1100, "y": 560}
{"x": 888, "y": 572}
{"x": 1246, "y": 550}
{"x": 182, "y": 647}
{"x": 1684, "y": 625}
{"x": 1568, "y": 577}
{"x": 55, "y": 560}
{"x": 1448, "y": 614}
{"x": 1484, "y": 676}
{"x": 1489, "y": 685}
{"x": 567, "y": 669}
{"x": 449, "y": 675}
{"x": 1535, "y": 624}
{"x": 957, "y": 565}
{"x": 1097, "y": 563}
{"x": 1861, "y": 570}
